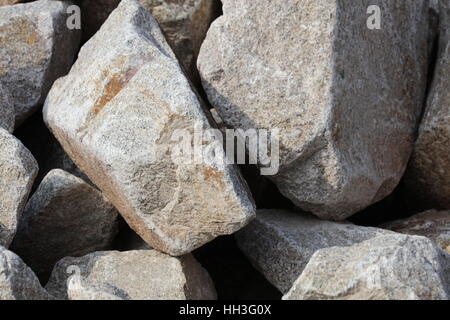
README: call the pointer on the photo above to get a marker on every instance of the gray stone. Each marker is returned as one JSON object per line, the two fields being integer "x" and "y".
{"x": 131, "y": 275}
{"x": 432, "y": 224}
{"x": 116, "y": 113}
{"x": 7, "y": 113}
{"x": 279, "y": 243}
{"x": 36, "y": 48}
{"x": 391, "y": 267}
{"x": 17, "y": 281}
{"x": 427, "y": 179}
{"x": 18, "y": 169}
{"x": 64, "y": 217}
{"x": 345, "y": 98}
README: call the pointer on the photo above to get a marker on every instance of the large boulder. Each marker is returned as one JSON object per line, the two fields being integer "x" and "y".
{"x": 391, "y": 267}
{"x": 36, "y": 48}
{"x": 66, "y": 206}
{"x": 17, "y": 280}
{"x": 120, "y": 113}
{"x": 432, "y": 224}
{"x": 427, "y": 179}
{"x": 346, "y": 98}
{"x": 131, "y": 275}
{"x": 279, "y": 243}
{"x": 18, "y": 169}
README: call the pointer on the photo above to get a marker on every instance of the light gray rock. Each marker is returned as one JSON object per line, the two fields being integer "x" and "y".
{"x": 18, "y": 169}
{"x": 279, "y": 243}
{"x": 427, "y": 179}
{"x": 17, "y": 281}
{"x": 64, "y": 205}
{"x": 7, "y": 113}
{"x": 183, "y": 22}
{"x": 36, "y": 49}
{"x": 391, "y": 267}
{"x": 116, "y": 113}
{"x": 131, "y": 275}
{"x": 345, "y": 98}
{"x": 432, "y": 224}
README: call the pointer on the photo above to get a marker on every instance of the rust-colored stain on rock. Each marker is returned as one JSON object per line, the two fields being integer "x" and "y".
{"x": 211, "y": 174}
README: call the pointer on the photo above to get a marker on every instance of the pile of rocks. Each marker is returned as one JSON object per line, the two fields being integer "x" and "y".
{"x": 360, "y": 112}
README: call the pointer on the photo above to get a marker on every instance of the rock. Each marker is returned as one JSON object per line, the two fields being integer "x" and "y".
{"x": 390, "y": 267}
{"x": 432, "y": 224}
{"x": 345, "y": 98}
{"x": 131, "y": 275}
{"x": 36, "y": 49}
{"x": 66, "y": 206}
{"x": 427, "y": 179}
{"x": 17, "y": 281}
{"x": 9, "y": 2}
{"x": 7, "y": 114}
{"x": 183, "y": 22}
{"x": 116, "y": 114}
{"x": 18, "y": 168}
{"x": 279, "y": 243}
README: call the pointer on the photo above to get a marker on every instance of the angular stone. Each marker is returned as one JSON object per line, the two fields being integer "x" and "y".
{"x": 7, "y": 114}
{"x": 391, "y": 267}
{"x": 131, "y": 275}
{"x": 427, "y": 179}
{"x": 183, "y": 22}
{"x": 17, "y": 281}
{"x": 279, "y": 243}
{"x": 18, "y": 168}
{"x": 116, "y": 114}
{"x": 66, "y": 206}
{"x": 432, "y": 224}
{"x": 345, "y": 98}
{"x": 36, "y": 48}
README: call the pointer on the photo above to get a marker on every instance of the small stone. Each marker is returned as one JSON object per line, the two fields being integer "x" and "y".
{"x": 279, "y": 243}
{"x": 432, "y": 224}
{"x": 427, "y": 179}
{"x": 36, "y": 48}
{"x": 7, "y": 113}
{"x": 390, "y": 267}
{"x": 346, "y": 98}
{"x": 18, "y": 169}
{"x": 17, "y": 281}
{"x": 66, "y": 206}
{"x": 116, "y": 114}
{"x": 131, "y": 275}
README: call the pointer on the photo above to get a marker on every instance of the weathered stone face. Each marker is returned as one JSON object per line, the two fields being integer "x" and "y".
{"x": 18, "y": 168}
{"x": 17, "y": 281}
{"x": 427, "y": 179}
{"x": 432, "y": 224}
{"x": 280, "y": 243}
{"x": 345, "y": 98}
{"x": 66, "y": 206}
{"x": 115, "y": 114}
{"x": 36, "y": 48}
{"x": 7, "y": 114}
{"x": 391, "y": 267}
{"x": 131, "y": 275}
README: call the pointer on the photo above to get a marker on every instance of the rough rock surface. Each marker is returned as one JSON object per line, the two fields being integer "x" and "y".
{"x": 116, "y": 114}
{"x": 183, "y": 22}
{"x": 64, "y": 217}
{"x": 432, "y": 224}
{"x": 131, "y": 275}
{"x": 345, "y": 98}
{"x": 427, "y": 179}
{"x": 36, "y": 48}
{"x": 391, "y": 267}
{"x": 7, "y": 114}
{"x": 17, "y": 281}
{"x": 280, "y": 243}
{"x": 18, "y": 168}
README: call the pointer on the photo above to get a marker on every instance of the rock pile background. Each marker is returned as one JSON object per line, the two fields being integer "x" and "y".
{"x": 93, "y": 205}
